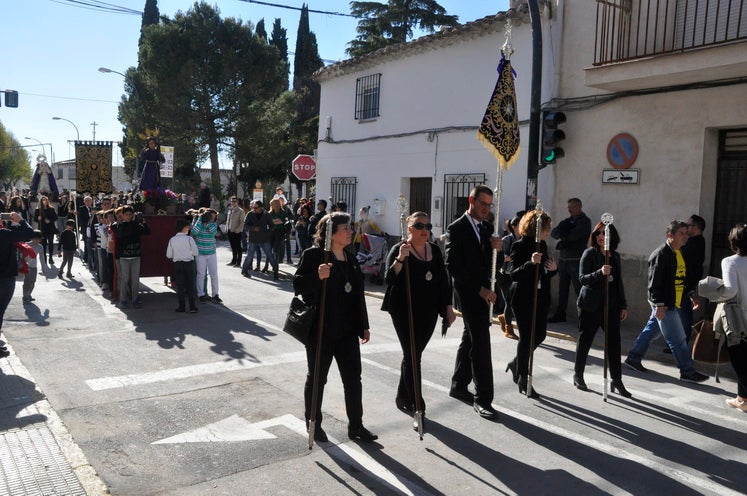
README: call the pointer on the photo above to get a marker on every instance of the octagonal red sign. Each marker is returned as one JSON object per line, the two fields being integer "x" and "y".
{"x": 304, "y": 167}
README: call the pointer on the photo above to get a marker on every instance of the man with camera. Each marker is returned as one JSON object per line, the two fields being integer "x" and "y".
{"x": 203, "y": 231}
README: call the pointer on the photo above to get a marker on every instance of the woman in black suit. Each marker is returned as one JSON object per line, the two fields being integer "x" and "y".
{"x": 525, "y": 258}
{"x": 46, "y": 218}
{"x": 430, "y": 295}
{"x": 592, "y": 274}
{"x": 345, "y": 321}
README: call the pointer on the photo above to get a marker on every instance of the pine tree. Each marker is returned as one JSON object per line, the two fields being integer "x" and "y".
{"x": 384, "y": 24}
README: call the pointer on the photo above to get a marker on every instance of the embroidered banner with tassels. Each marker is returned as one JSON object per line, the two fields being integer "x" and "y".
{"x": 93, "y": 166}
{"x": 499, "y": 129}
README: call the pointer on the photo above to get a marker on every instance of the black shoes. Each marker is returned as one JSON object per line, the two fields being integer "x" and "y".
{"x": 59, "y": 275}
{"x": 361, "y": 434}
{"x": 275, "y": 276}
{"x": 514, "y": 373}
{"x": 319, "y": 435}
{"x": 246, "y": 274}
{"x": 635, "y": 365}
{"x": 556, "y": 318}
{"x": 693, "y": 376}
{"x": 180, "y": 310}
{"x": 486, "y": 412}
{"x": 217, "y": 300}
{"x": 4, "y": 353}
{"x": 404, "y": 405}
{"x": 523, "y": 390}
{"x": 204, "y": 299}
{"x": 578, "y": 381}
{"x": 462, "y": 395}
{"x": 617, "y": 387}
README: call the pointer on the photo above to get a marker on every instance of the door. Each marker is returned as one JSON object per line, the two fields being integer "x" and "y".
{"x": 730, "y": 201}
{"x": 420, "y": 194}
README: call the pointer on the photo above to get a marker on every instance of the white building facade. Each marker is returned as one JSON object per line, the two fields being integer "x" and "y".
{"x": 674, "y": 80}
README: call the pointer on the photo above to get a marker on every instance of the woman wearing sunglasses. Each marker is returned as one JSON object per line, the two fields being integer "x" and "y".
{"x": 430, "y": 295}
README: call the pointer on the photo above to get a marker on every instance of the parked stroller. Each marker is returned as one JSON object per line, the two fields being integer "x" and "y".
{"x": 372, "y": 257}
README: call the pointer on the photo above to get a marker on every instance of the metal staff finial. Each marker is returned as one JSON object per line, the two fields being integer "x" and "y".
{"x": 508, "y": 49}
{"x": 607, "y": 219}
{"x": 402, "y": 207}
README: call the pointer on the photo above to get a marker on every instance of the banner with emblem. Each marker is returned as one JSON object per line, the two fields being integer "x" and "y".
{"x": 93, "y": 166}
{"x": 499, "y": 129}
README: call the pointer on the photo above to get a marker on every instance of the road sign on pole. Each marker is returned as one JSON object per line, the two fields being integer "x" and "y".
{"x": 304, "y": 167}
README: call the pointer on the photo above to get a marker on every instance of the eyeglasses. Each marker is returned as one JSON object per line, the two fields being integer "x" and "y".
{"x": 485, "y": 204}
{"x": 234, "y": 200}
{"x": 420, "y": 226}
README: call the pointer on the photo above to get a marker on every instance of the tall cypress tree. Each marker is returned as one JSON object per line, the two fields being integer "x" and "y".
{"x": 151, "y": 15}
{"x": 306, "y": 62}
{"x": 260, "y": 32}
{"x": 279, "y": 39}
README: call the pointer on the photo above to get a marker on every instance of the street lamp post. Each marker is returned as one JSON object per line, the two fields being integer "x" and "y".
{"x": 77, "y": 133}
{"x": 106, "y": 70}
{"x": 44, "y": 152}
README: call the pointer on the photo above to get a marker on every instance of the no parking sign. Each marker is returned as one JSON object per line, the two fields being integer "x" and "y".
{"x": 622, "y": 151}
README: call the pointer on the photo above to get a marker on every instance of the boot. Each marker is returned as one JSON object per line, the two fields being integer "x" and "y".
{"x": 507, "y": 327}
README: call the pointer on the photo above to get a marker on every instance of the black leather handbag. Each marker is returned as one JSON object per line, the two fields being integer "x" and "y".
{"x": 299, "y": 320}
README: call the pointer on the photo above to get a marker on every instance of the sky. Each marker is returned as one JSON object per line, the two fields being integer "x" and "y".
{"x": 52, "y": 50}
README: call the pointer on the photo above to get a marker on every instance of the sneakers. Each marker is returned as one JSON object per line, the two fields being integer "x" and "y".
{"x": 693, "y": 376}
{"x": 192, "y": 310}
{"x": 217, "y": 300}
{"x": 634, "y": 365}
{"x": 204, "y": 299}
{"x": 737, "y": 403}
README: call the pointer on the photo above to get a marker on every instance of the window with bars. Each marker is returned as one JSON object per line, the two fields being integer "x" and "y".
{"x": 367, "y": 90}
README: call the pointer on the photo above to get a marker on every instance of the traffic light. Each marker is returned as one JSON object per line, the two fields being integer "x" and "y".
{"x": 11, "y": 98}
{"x": 551, "y": 135}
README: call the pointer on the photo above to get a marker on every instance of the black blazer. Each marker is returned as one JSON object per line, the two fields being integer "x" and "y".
{"x": 469, "y": 260}
{"x": 591, "y": 297}
{"x": 523, "y": 272}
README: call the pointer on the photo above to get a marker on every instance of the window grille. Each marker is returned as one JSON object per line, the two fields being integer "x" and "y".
{"x": 367, "y": 90}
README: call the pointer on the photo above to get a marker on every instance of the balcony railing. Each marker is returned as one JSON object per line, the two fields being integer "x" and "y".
{"x": 631, "y": 29}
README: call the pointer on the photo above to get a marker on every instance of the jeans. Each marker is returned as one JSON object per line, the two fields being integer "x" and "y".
{"x": 267, "y": 248}
{"x": 129, "y": 279}
{"x": 568, "y": 274}
{"x": 671, "y": 328}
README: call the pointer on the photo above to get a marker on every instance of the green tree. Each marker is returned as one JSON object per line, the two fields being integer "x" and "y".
{"x": 384, "y": 24}
{"x": 307, "y": 61}
{"x": 198, "y": 74}
{"x": 151, "y": 15}
{"x": 279, "y": 39}
{"x": 260, "y": 30}
{"x": 14, "y": 160}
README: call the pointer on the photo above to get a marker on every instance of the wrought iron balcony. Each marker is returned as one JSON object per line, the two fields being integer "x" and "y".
{"x": 632, "y": 29}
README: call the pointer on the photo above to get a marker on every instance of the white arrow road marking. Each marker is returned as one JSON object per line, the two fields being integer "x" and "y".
{"x": 235, "y": 428}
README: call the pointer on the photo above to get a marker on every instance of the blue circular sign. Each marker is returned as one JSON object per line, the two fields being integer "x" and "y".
{"x": 622, "y": 151}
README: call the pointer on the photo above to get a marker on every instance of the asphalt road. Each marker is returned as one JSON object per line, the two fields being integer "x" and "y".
{"x": 211, "y": 403}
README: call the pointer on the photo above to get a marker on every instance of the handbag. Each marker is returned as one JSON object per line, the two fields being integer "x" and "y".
{"x": 300, "y": 319}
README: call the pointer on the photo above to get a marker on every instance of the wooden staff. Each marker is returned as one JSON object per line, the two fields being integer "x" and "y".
{"x": 319, "y": 334}
{"x": 537, "y": 248}
{"x": 411, "y": 325}
{"x": 607, "y": 219}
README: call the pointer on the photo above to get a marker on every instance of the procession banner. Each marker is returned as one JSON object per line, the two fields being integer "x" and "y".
{"x": 93, "y": 166}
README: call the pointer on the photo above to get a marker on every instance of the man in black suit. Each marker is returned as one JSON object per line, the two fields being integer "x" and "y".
{"x": 469, "y": 243}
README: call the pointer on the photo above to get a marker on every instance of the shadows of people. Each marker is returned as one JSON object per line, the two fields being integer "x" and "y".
{"x": 16, "y": 394}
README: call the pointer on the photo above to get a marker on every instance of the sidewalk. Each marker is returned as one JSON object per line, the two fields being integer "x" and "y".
{"x": 37, "y": 454}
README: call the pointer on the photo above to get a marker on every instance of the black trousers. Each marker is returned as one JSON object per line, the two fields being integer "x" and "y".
{"x": 523, "y": 314}
{"x": 588, "y": 324}
{"x": 474, "y": 361}
{"x": 347, "y": 353}
{"x": 235, "y": 241}
{"x": 184, "y": 277}
{"x": 423, "y": 325}
{"x": 48, "y": 245}
{"x": 738, "y": 358}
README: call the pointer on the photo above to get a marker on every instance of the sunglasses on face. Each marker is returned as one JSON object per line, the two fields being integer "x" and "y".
{"x": 420, "y": 226}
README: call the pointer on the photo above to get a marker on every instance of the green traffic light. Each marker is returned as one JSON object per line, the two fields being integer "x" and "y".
{"x": 550, "y": 156}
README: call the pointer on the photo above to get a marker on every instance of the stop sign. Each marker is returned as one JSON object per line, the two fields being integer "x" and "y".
{"x": 304, "y": 167}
